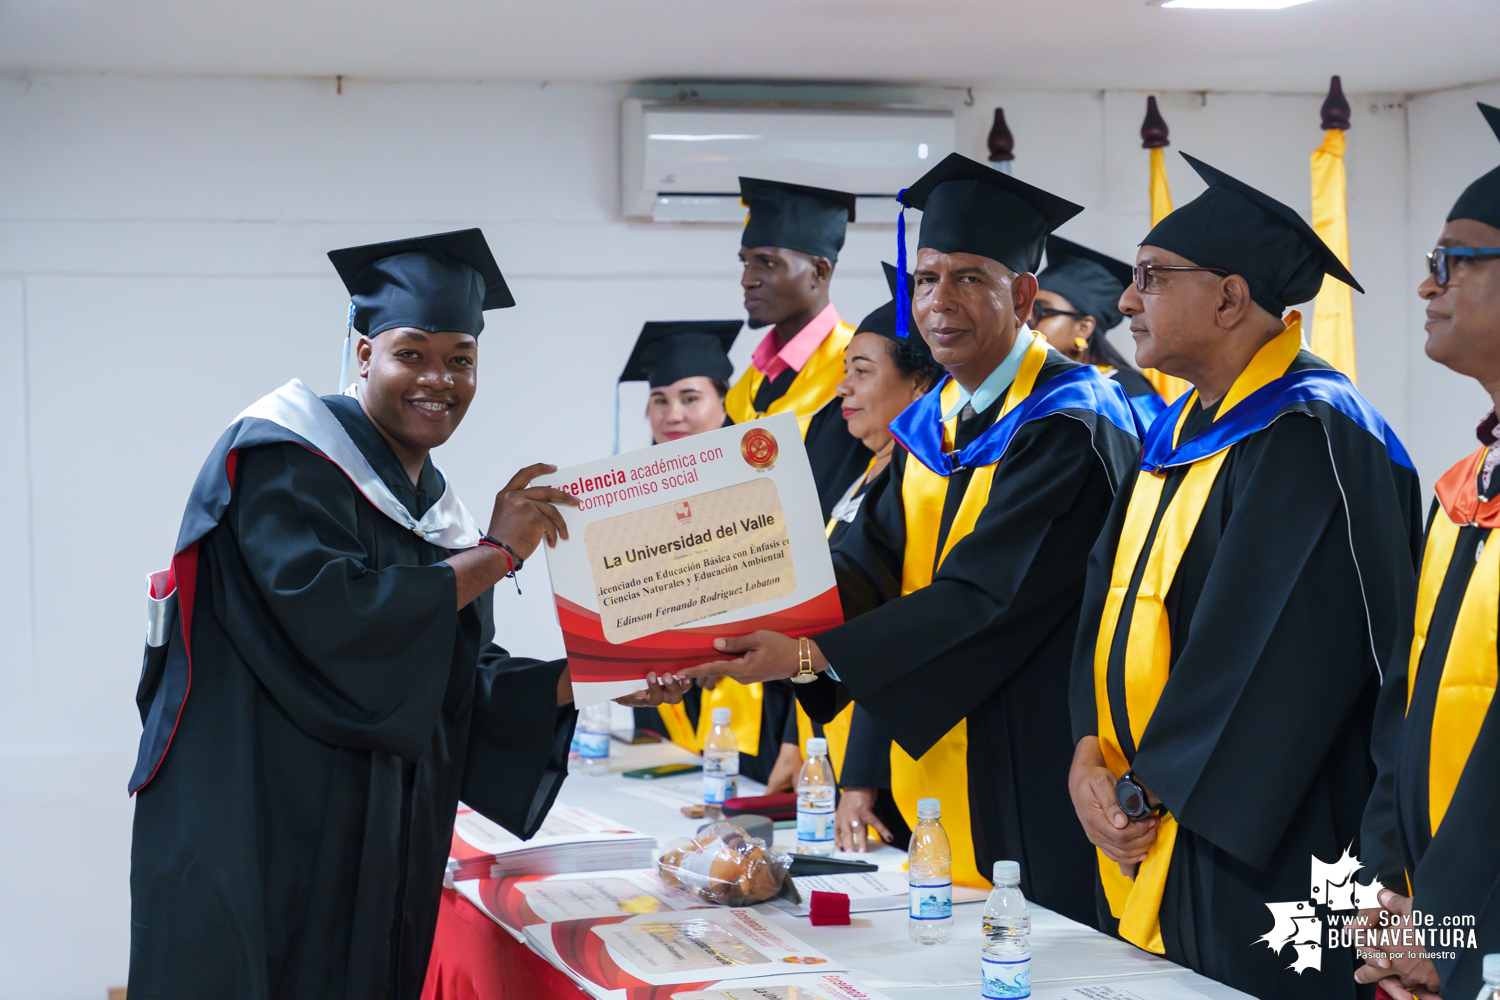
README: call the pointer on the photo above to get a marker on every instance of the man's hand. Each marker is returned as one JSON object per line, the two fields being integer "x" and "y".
{"x": 659, "y": 691}
{"x": 856, "y": 811}
{"x": 564, "y": 687}
{"x": 1403, "y": 971}
{"x": 764, "y": 656}
{"x": 1092, "y": 786}
{"x": 524, "y": 515}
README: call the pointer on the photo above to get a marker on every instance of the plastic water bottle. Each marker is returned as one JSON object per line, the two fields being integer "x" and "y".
{"x": 721, "y": 765}
{"x": 1491, "y": 972}
{"x": 593, "y": 738}
{"x": 815, "y": 794}
{"x": 1006, "y": 968}
{"x": 930, "y": 877}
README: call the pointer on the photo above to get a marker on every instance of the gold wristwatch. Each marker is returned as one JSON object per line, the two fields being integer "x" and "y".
{"x": 805, "y": 672}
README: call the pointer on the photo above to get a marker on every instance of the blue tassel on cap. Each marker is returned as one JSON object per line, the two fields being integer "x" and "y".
{"x": 903, "y": 297}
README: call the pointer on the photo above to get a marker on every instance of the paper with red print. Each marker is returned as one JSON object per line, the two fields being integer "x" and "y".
{"x": 719, "y": 534}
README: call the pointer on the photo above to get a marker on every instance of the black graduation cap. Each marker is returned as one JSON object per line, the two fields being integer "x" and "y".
{"x": 968, "y": 207}
{"x": 667, "y": 352}
{"x": 883, "y": 319}
{"x": 1088, "y": 279}
{"x": 1238, "y": 229}
{"x": 1481, "y": 200}
{"x": 794, "y": 216}
{"x": 441, "y": 283}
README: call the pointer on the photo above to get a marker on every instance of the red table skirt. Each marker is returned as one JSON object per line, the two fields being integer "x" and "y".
{"x": 473, "y": 958}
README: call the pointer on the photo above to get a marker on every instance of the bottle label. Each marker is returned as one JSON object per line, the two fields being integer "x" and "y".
{"x": 933, "y": 901}
{"x": 1009, "y": 978}
{"x": 593, "y": 744}
{"x": 815, "y": 826}
{"x": 719, "y": 787}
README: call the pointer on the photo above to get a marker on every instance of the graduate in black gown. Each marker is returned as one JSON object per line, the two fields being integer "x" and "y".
{"x": 1077, "y": 303}
{"x": 321, "y": 684}
{"x": 1432, "y": 827}
{"x": 962, "y": 576}
{"x": 1242, "y": 602}
{"x": 789, "y": 247}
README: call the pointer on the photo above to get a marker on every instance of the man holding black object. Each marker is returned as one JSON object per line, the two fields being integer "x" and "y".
{"x": 961, "y": 576}
{"x": 1430, "y": 827}
{"x": 1242, "y": 602}
{"x": 330, "y": 609}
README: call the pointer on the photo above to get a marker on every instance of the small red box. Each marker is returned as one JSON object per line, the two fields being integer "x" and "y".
{"x": 830, "y": 909}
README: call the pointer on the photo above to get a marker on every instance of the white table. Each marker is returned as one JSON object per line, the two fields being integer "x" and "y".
{"x": 875, "y": 946}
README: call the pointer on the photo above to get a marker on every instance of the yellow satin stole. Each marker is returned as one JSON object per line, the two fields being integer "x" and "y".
{"x": 744, "y": 703}
{"x": 1467, "y": 684}
{"x": 810, "y": 390}
{"x": 943, "y": 771}
{"x": 1136, "y": 902}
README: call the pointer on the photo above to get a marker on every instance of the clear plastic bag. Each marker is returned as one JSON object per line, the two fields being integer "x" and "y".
{"x": 724, "y": 865}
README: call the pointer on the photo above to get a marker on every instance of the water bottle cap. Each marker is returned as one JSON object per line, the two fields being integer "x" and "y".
{"x": 1007, "y": 873}
{"x": 1491, "y": 970}
{"x": 722, "y": 716}
{"x": 817, "y": 746}
{"x": 929, "y": 809}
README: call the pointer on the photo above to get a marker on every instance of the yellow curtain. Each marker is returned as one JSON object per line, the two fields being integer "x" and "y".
{"x": 1168, "y": 386}
{"x": 1333, "y": 310}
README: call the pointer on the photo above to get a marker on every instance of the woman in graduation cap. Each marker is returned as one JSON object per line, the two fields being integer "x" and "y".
{"x": 961, "y": 577}
{"x": 1243, "y": 601}
{"x": 1077, "y": 303}
{"x": 686, "y": 364}
{"x": 329, "y": 609}
{"x": 1432, "y": 827}
{"x": 883, "y": 375}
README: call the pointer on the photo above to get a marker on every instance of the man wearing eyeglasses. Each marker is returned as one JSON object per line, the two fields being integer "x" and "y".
{"x": 1241, "y": 604}
{"x": 1430, "y": 830}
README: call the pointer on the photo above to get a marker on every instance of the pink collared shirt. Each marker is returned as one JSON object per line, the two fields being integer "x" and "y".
{"x": 771, "y": 362}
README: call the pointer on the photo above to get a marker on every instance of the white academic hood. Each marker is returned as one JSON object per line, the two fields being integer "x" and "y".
{"x": 681, "y": 161}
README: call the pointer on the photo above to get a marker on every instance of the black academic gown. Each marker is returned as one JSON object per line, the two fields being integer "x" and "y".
{"x": 292, "y": 842}
{"x": 1457, "y": 873}
{"x": 837, "y": 457}
{"x": 991, "y": 638}
{"x": 1259, "y": 745}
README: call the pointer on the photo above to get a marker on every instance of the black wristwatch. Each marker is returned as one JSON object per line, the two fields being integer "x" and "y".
{"x": 1132, "y": 798}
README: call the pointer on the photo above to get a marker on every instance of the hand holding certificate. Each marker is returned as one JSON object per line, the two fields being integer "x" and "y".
{"x": 716, "y": 535}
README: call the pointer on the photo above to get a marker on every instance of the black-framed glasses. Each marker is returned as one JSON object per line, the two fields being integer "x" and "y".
{"x": 1437, "y": 261}
{"x": 1040, "y": 312}
{"x": 1143, "y": 273}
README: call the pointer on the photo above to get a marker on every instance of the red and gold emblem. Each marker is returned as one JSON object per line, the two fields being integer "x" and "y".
{"x": 758, "y": 447}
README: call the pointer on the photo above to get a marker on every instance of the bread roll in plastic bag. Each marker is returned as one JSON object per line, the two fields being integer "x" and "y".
{"x": 724, "y": 865}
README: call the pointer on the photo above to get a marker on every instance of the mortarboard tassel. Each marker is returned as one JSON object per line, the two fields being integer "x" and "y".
{"x": 903, "y": 296}
{"x": 344, "y": 361}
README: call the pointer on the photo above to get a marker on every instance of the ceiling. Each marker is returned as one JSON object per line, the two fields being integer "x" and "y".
{"x": 1377, "y": 45}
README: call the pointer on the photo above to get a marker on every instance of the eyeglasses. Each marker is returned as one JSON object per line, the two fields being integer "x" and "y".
{"x": 1145, "y": 274}
{"x": 1437, "y": 261}
{"x": 1040, "y": 312}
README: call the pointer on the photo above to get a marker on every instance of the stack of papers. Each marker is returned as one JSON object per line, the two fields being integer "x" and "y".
{"x": 570, "y": 840}
{"x": 707, "y": 954}
{"x": 867, "y": 891}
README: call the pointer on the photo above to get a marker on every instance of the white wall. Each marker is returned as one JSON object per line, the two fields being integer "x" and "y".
{"x": 161, "y": 265}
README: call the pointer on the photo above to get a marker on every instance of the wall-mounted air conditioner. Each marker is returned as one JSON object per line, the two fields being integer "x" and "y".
{"x": 681, "y": 162}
